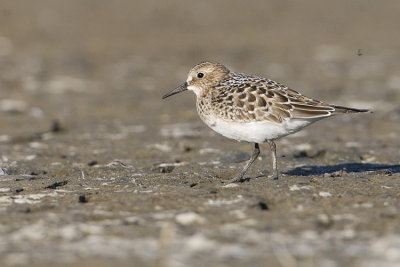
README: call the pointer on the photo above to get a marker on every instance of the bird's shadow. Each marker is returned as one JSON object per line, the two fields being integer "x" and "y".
{"x": 344, "y": 167}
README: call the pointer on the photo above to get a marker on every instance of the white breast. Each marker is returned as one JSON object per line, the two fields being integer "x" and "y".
{"x": 257, "y": 132}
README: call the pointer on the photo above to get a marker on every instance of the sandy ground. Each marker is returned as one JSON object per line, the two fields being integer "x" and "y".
{"x": 97, "y": 170}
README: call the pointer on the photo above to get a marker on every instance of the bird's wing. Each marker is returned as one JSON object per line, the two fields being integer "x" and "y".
{"x": 258, "y": 99}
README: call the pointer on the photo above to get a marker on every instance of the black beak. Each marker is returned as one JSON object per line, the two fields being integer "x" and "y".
{"x": 179, "y": 89}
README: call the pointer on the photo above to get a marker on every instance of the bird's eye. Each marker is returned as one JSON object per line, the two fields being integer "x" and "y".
{"x": 200, "y": 75}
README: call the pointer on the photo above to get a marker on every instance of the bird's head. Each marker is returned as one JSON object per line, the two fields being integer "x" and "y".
{"x": 202, "y": 78}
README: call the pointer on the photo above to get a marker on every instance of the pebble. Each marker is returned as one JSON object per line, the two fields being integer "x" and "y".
{"x": 82, "y": 199}
{"x": 189, "y": 218}
{"x": 297, "y": 188}
{"x": 163, "y": 168}
{"x": 262, "y": 205}
{"x": 30, "y": 157}
{"x": 230, "y": 186}
{"x": 325, "y": 194}
{"x": 367, "y": 158}
{"x": 324, "y": 221}
{"x": 221, "y": 202}
{"x": 4, "y": 189}
{"x": 383, "y": 186}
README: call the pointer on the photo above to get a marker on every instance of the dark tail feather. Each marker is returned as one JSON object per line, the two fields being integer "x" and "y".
{"x": 340, "y": 109}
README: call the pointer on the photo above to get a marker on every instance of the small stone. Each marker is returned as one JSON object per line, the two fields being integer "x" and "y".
{"x": 56, "y": 127}
{"x": 189, "y": 218}
{"x": 30, "y": 157}
{"x": 164, "y": 169}
{"x": 295, "y": 187}
{"x": 167, "y": 167}
{"x": 92, "y": 163}
{"x": 57, "y": 184}
{"x": 83, "y": 199}
{"x": 262, "y": 205}
{"x": 386, "y": 187}
{"x": 325, "y": 194}
{"x": 366, "y": 158}
{"x": 324, "y": 221}
{"x": 232, "y": 185}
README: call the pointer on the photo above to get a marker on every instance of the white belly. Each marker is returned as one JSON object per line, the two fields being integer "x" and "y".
{"x": 257, "y": 132}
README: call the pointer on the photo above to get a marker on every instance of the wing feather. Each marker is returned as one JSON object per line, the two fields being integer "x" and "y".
{"x": 272, "y": 101}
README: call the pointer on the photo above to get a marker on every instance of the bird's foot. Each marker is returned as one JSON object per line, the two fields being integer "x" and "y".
{"x": 236, "y": 179}
{"x": 274, "y": 176}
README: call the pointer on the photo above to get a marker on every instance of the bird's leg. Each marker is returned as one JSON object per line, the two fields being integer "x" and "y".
{"x": 272, "y": 145}
{"x": 239, "y": 177}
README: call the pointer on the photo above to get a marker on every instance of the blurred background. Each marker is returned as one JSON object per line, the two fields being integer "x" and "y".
{"x": 81, "y": 85}
{"x": 112, "y": 60}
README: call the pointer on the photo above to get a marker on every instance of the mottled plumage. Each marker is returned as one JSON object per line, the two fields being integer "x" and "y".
{"x": 250, "y": 108}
